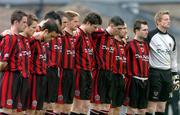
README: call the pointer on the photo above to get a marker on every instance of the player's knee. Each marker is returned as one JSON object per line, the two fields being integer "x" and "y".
{"x": 67, "y": 108}
{"x": 141, "y": 111}
{"x": 85, "y": 106}
{"x": 161, "y": 107}
{"x": 131, "y": 110}
{"x": 151, "y": 107}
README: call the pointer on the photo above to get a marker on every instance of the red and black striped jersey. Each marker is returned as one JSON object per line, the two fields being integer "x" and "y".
{"x": 119, "y": 58}
{"x": 137, "y": 55}
{"x": 38, "y": 57}
{"x": 104, "y": 46}
{"x": 68, "y": 51}
{"x": 53, "y": 51}
{"x": 84, "y": 54}
{"x": 10, "y": 52}
{"x": 26, "y": 56}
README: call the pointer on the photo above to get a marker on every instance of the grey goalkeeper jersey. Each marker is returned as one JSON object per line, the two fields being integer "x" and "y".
{"x": 163, "y": 51}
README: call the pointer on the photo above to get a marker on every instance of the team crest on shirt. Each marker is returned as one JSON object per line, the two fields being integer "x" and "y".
{"x": 9, "y": 102}
{"x": 97, "y": 97}
{"x": 60, "y": 97}
{"x": 170, "y": 45}
{"x": 111, "y": 50}
{"x": 77, "y": 93}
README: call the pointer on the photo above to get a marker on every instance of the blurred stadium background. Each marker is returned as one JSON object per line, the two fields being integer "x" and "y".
{"x": 129, "y": 10}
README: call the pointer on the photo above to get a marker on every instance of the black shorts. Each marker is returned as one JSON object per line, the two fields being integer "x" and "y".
{"x": 38, "y": 89}
{"x": 160, "y": 84}
{"x": 52, "y": 85}
{"x": 138, "y": 93}
{"x": 117, "y": 90}
{"x": 66, "y": 86}
{"x": 14, "y": 90}
{"x": 83, "y": 86}
{"x": 102, "y": 87}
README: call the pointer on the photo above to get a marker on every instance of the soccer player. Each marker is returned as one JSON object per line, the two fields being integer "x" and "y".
{"x": 84, "y": 59}
{"x": 163, "y": 63}
{"x": 38, "y": 80}
{"x": 137, "y": 53}
{"x": 67, "y": 79}
{"x": 104, "y": 45}
{"x": 119, "y": 70}
{"x": 55, "y": 16}
{"x": 26, "y": 35}
{"x": 53, "y": 54}
{"x": 14, "y": 81}
{"x": 64, "y": 17}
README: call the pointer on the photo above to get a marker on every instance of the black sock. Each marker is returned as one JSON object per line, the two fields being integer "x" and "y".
{"x": 73, "y": 113}
{"x": 64, "y": 113}
{"x": 159, "y": 113}
{"x": 94, "y": 112}
{"x": 103, "y": 112}
{"x": 49, "y": 113}
{"x": 147, "y": 113}
{"x": 82, "y": 114}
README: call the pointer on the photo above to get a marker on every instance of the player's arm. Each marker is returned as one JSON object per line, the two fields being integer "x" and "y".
{"x": 174, "y": 61}
{"x": 175, "y": 77}
{"x": 6, "y": 45}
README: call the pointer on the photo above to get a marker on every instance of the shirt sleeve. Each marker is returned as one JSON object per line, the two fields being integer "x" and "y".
{"x": 7, "y": 44}
{"x": 174, "y": 60}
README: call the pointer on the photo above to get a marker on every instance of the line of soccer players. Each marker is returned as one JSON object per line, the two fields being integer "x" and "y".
{"x": 58, "y": 66}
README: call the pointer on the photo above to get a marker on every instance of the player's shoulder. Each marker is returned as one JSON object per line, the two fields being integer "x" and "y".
{"x": 171, "y": 36}
{"x": 153, "y": 32}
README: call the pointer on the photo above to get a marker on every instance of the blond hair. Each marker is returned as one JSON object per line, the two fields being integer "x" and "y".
{"x": 71, "y": 14}
{"x": 158, "y": 15}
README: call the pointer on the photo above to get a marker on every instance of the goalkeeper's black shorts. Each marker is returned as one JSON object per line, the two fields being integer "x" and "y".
{"x": 160, "y": 84}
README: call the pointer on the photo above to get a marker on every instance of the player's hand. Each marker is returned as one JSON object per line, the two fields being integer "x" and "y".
{"x": 39, "y": 35}
{"x": 5, "y": 32}
{"x": 176, "y": 82}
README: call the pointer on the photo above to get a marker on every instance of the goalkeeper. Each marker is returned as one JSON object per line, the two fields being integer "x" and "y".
{"x": 163, "y": 75}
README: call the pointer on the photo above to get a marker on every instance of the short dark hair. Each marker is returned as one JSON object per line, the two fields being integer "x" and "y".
{"x": 137, "y": 24}
{"x": 116, "y": 20}
{"x": 51, "y": 25}
{"x": 17, "y": 16}
{"x": 30, "y": 19}
{"x": 53, "y": 15}
{"x": 93, "y": 18}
